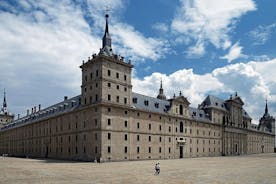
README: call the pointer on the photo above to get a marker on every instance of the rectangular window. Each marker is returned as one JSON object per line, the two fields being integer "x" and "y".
{"x": 160, "y": 127}
{"x": 96, "y": 122}
{"x": 125, "y": 100}
{"x": 125, "y": 77}
{"x": 169, "y": 150}
{"x": 108, "y": 97}
{"x": 109, "y": 149}
{"x": 118, "y": 87}
{"x": 108, "y": 72}
{"x": 138, "y": 125}
{"x": 160, "y": 149}
{"x": 125, "y": 123}
{"x": 160, "y": 139}
{"x": 97, "y": 73}
{"x": 96, "y": 149}
{"x": 108, "y": 121}
{"x": 125, "y": 149}
{"x": 149, "y": 138}
{"x": 118, "y": 99}
{"x": 125, "y": 137}
{"x": 117, "y": 75}
{"x": 149, "y": 126}
{"x": 109, "y": 136}
{"x": 109, "y": 84}
{"x": 138, "y": 149}
{"x": 149, "y": 149}
{"x": 138, "y": 138}
{"x": 169, "y": 139}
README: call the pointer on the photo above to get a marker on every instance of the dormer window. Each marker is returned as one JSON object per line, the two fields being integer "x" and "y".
{"x": 134, "y": 100}
{"x": 146, "y": 102}
{"x": 156, "y": 105}
{"x": 216, "y": 104}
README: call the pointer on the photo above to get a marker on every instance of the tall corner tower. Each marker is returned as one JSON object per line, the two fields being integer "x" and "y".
{"x": 106, "y": 77}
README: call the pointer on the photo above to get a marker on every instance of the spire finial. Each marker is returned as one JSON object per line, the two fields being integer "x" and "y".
{"x": 266, "y": 108}
{"x": 106, "y": 41}
{"x": 4, "y": 101}
{"x": 161, "y": 92}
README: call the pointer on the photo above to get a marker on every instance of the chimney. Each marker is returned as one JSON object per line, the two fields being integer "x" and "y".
{"x": 28, "y": 111}
{"x": 65, "y": 98}
{"x": 39, "y": 107}
{"x": 18, "y": 116}
{"x": 34, "y": 109}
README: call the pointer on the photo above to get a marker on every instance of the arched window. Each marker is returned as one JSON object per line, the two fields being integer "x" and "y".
{"x": 181, "y": 109}
{"x": 181, "y": 127}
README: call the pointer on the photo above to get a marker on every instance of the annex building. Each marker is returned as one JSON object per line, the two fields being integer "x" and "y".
{"x": 110, "y": 122}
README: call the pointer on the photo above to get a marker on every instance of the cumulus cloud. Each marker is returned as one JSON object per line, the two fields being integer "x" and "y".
{"x": 161, "y": 27}
{"x": 209, "y": 21}
{"x": 127, "y": 41}
{"x": 234, "y": 52}
{"x": 261, "y": 34}
{"x": 133, "y": 44}
{"x": 254, "y": 82}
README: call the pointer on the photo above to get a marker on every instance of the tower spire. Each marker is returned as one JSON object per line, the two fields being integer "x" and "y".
{"x": 4, "y": 101}
{"x": 106, "y": 41}
{"x": 161, "y": 92}
{"x": 266, "y": 108}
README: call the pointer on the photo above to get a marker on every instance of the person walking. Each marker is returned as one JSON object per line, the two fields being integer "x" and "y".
{"x": 157, "y": 168}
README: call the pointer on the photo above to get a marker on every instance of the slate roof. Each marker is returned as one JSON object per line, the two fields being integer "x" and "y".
{"x": 148, "y": 103}
{"x": 59, "y": 108}
{"x": 215, "y": 102}
{"x": 164, "y": 106}
{"x": 199, "y": 114}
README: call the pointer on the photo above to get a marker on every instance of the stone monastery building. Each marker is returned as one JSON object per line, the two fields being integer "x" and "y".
{"x": 110, "y": 122}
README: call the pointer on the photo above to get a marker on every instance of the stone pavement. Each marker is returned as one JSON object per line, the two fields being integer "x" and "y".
{"x": 253, "y": 169}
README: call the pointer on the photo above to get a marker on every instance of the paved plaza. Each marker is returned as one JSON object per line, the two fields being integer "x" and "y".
{"x": 237, "y": 169}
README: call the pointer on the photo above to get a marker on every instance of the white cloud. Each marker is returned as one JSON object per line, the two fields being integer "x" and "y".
{"x": 133, "y": 44}
{"x": 234, "y": 53}
{"x": 161, "y": 27}
{"x": 253, "y": 81}
{"x": 261, "y": 34}
{"x": 197, "y": 50}
{"x": 209, "y": 21}
{"x": 127, "y": 41}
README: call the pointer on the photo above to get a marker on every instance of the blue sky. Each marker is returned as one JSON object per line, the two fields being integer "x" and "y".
{"x": 200, "y": 47}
